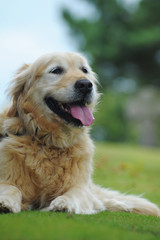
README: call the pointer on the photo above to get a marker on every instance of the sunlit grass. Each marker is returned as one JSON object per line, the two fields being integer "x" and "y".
{"x": 121, "y": 167}
{"x": 128, "y": 169}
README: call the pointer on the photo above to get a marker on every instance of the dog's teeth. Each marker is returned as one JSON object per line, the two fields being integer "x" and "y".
{"x": 64, "y": 107}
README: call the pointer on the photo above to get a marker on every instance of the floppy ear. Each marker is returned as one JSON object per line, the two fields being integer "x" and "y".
{"x": 18, "y": 85}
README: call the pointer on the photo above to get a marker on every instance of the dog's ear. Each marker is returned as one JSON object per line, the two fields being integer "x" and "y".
{"x": 18, "y": 86}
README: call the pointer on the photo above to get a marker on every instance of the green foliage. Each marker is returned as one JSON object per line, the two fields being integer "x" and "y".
{"x": 121, "y": 43}
{"x": 118, "y": 166}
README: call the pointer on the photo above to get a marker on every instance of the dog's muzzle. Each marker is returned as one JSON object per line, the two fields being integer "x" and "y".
{"x": 75, "y": 112}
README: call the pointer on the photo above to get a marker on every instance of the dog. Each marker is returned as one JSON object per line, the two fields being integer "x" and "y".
{"x": 46, "y": 151}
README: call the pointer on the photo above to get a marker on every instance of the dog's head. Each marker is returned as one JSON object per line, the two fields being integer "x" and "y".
{"x": 57, "y": 88}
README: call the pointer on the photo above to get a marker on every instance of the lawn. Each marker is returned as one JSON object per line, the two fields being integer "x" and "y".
{"x": 122, "y": 167}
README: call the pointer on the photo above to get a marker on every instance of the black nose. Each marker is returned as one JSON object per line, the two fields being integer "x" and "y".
{"x": 84, "y": 86}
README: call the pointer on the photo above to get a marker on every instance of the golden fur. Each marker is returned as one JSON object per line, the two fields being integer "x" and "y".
{"x": 45, "y": 162}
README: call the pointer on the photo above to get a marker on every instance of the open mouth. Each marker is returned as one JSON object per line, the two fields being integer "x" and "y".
{"x": 75, "y": 113}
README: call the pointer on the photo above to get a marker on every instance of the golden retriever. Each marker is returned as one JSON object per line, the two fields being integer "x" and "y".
{"x": 46, "y": 151}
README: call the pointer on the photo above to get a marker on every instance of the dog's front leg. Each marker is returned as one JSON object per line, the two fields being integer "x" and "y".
{"x": 79, "y": 200}
{"x": 10, "y": 199}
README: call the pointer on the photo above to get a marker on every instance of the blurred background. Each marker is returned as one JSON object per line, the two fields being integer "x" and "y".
{"x": 120, "y": 38}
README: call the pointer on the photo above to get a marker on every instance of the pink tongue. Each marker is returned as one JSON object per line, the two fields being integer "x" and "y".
{"x": 82, "y": 113}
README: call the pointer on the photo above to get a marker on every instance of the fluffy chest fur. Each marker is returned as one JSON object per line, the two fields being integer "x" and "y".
{"x": 43, "y": 172}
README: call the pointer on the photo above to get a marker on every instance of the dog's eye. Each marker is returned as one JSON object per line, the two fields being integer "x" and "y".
{"x": 84, "y": 70}
{"x": 57, "y": 70}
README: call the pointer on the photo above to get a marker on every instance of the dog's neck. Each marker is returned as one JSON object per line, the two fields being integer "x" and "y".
{"x": 60, "y": 137}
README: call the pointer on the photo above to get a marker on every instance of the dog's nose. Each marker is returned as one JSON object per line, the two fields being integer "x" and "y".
{"x": 84, "y": 86}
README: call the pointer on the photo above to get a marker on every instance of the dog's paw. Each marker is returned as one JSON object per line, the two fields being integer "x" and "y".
{"x": 63, "y": 204}
{"x": 8, "y": 205}
{"x": 74, "y": 205}
{"x": 4, "y": 209}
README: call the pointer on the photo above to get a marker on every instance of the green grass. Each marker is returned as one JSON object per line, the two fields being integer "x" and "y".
{"x": 129, "y": 169}
{"x": 121, "y": 167}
